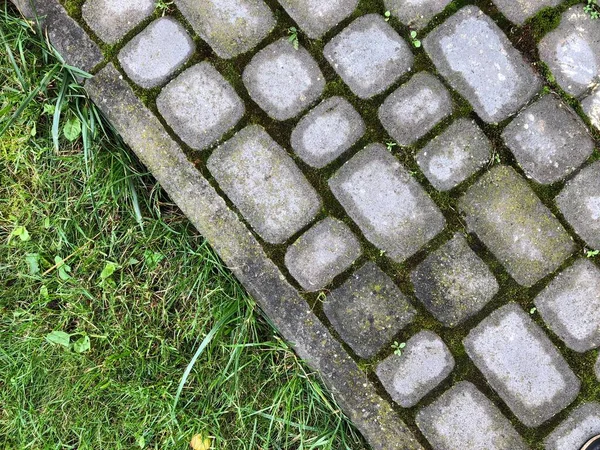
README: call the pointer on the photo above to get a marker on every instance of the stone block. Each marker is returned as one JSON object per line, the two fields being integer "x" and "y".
{"x": 113, "y": 19}
{"x": 581, "y": 425}
{"x": 317, "y": 17}
{"x": 416, "y": 13}
{"x": 519, "y": 11}
{"x": 591, "y": 107}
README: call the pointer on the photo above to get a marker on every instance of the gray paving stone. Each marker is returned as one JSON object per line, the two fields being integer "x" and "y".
{"x": 230, "y": 27}
{"x": 591, "y": 107}
{"x": 597, "y": 368}
{"x": 327, "y": 131}
{"x": 368, "y": 310}
{"x": 200, "y": 106}
{"x": 453, "y": 282}
{"x": 463, "y": 418}
{"x": 317, "y": 17}
{"x": 522, "y": 365}
{"x": 264, "y": 184}
{"x": 390, "y": 207}
{"x": 283, "y": 81}
{"x": 113, "y": 19}
{"x": 415, "y": 108}
{"x": 369, "y": 55}
{"x": 549, "y": 140}
{"x": 579, "y": 202}
{"x": 322, "y": 253}
{"x": 479, "y": 61}
{"x": 424, "y": 363}
{"x": 581, "y": 425}
{"x": 151, "y": 57}
{"x": 521, "y": 10}
{"x": 416, "y": 13}
{"x": 572, "y": 51}
{"x": 570, "y": 306}
{"x": 504, "y": 212}
{"x": 455, "y": 155}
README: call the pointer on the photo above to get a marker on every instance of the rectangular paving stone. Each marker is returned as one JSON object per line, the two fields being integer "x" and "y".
{"x": 479, "y": 61}
{"x": 327, "y": 131}
{"x": 392, "y": 209}
{"x": 369, "y": 55}
{"x": 518, "y": 11}
{"x": 113, "y": 19}
{"x": 456, "y": 154}
{"x": 415, "y": 13}
{"x": 415, "y": 108}
{"x": 464, "y": 419}
{"x": 424, "y": 363}
{"x": 504, "y": 212}
{"x": 230, "y": 27}
{"x": 597, "y": 368}
{"x": 581, "y": 425}
{"x": 579, "y": 202}
{"x": 368, "y": 310}
{"x": 264, "y": 184}
{"x": 200, "y": 106}
{"x": 322, "y": 253}
{"x": 522, "y": 365}
{"x": 317, "y": 17}
{"x": 591, "y": 107}
{"x": 549, "y": 140}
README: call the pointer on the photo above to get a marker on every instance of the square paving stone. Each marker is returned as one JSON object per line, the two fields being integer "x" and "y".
{"x": 415, "y": 108}
{"x": 391, "y": 208}
{"x": 572, "y": 51}
{"x": 322, "y": 253}
{"x": 520, "y": 10}
{"x": 455, "y": 155}
{"x": 416, "y": 13}
{"x": 230, "y": 27}
{"x": 579, "y": 202}
{"x": 479, "y": 61}
{"x": 368, "y": 310}
{"x": 424, "y": 363}
{"x": 151, "y": 57}
{"x": 283, "y": 81}
{"x": 327, "y": 131}
{"x": 522, "y": 365}
{"x": 504, "y": 212}
{"x": 570, "y": 306}
{"x": 453, "y": 282}
{"x": 113, "y": 19}
{"x": 591, "y": 107}
{"x": 200, "y": 106}
{"x": 464, "y": 419}
{"x": 317, "y": 17}
{"x": 264, "y": 184}
{"x": 549, "y": 140}
{"x": 581, "y": 425}
{"x": 369, "y": 55}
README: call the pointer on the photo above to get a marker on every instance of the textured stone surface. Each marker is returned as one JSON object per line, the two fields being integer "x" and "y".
{"x": 415, "y": 108}
{"x": 424, "y": 363}
{"x": 322, "y": 253}
{"x": 369, "y": 55}
{"x": 597, "y": 368}
{"x": 456, "y": 154}
{"x": 591, "y": 107}
{"x": 504, "y": 212}
{"x": 572, "y": 51}
{"x": 518, "y": 11}
{"x": 583, "y": 424}
{"x": 390, "y": 207}
{"x": 200, "y": 106}
{"x": 464, "y": 419}
{"x": 264, "y": 183}
{"x": 453, "y": 282}
{"x": 549, "y": 140}
{"x": 522, "y": 365}
{"x": 113, "y": 19}
{"x": 570, "y": 306}
{"x": 317, "y": 17}
{"x": 283, "y": 81}
{"x": 368, "y": 310}
{"x": 579, "y": 202}
{"x": 416, "y": 13}
{"x": 151, "y": 57}
{"x": 230, "y": 27}
{"x": 327, "y": 131}
{"x": 478, "y": 60}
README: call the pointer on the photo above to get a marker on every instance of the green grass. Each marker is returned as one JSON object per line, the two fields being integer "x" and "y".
{"x": 164, "y": 296}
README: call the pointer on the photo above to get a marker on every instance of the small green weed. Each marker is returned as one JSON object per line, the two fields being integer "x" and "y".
{"x": 593, "y": 9}
{"x": 293, "y": 37}
{"x": 398, "y": 347}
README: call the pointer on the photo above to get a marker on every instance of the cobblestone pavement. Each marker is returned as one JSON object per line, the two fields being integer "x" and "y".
{"x": 409, "y": 188}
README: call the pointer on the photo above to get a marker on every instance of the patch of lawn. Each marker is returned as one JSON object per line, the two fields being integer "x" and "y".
{"x": 106, "y": 293}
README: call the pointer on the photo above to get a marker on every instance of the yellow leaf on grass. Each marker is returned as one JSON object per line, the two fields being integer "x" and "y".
{"x": 200, "y": 442}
